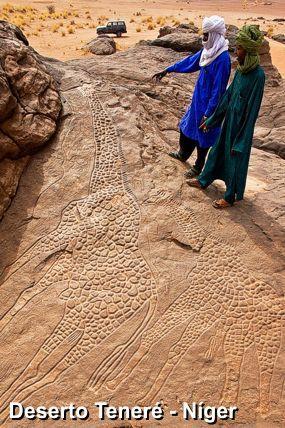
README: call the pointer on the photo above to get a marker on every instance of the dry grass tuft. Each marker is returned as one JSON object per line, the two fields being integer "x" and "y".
{"x": 55, "y": 28}
{"x": 50, "y": 8}
{"x": 161, "y": 20}
{"x": 151, "y": 26}
{"x": 175, "y": 21}
{"x": 270, "y": 31}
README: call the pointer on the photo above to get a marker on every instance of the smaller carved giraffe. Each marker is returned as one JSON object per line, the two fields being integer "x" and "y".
{"x": 224, "y": 295}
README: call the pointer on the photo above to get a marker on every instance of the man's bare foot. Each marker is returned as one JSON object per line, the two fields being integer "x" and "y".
{"x": 220, "y": 204}
{"x": 194, "y": 182}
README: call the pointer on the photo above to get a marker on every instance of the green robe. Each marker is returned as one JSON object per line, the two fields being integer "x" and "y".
{"x": 228, "y": 159}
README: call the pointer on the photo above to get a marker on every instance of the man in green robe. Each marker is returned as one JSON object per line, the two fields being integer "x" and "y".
{"x": 238, "y": 110}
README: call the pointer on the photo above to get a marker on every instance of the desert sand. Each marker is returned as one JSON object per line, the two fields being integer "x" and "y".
{"x": 63, "y": 33}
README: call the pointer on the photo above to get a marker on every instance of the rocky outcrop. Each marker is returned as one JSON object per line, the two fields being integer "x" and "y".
{"x": 181, "y": 28}
{"x": 102, "y": 45}
{"x": 179, "y": 41}
{"x": 231, "y": 33}
{"x": 279, "y": 38}
{"x": 270, "y": 140}
{"x": 273, "y": 76}
{"x": 29, "y": 106}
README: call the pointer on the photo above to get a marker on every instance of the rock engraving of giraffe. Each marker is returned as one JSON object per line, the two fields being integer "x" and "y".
{"x": 99, "y": 266}
{"x": 224, "y": 294}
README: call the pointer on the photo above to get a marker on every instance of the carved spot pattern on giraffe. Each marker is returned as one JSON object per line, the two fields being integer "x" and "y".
{"x": 222, "y": 293}
{"x": 107, "y": 279}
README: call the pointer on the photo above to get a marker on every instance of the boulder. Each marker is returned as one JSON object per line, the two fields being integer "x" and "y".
{"x": 179, "y": 41}
{"x": 273, "y": 76}
{"x": 270, "y": 140}
{"x": 102, "y": 45}
{"x": 181, "y": 28}
{"x": 279, "y": 38}
{"x": 231, "y": 33}
{"x": 278, "y": 19}
{"x": 29, "y": 107}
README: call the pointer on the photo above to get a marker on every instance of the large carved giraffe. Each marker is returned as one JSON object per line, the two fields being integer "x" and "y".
{"x": 222, "y": 294}
{"x": 100, "y": 270}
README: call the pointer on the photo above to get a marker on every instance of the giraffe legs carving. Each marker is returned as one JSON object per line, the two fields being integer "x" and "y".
{"x": 40, "y": 371}
{"x": 108, "y": 365}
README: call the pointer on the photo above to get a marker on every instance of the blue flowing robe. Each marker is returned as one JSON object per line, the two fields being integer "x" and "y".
{"x": 210, "y": 86}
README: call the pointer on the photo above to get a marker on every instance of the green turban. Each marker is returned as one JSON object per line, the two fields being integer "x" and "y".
{"x": 250, "y": 38}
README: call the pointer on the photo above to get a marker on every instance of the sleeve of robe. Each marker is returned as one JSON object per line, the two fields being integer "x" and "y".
{"x": 189, "y": 64}
{"x": 243, "y": 140}
{"x": 222, "y": 74}
{"x": 220, "y": 112}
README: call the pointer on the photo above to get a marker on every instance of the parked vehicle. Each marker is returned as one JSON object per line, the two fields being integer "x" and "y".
{"x": 112, "y": 27}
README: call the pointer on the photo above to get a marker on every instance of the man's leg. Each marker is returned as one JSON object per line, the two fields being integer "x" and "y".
{"x": 201, "y": 158}
{"x": 186, "y": 148}
{"x": 199, "y": 164}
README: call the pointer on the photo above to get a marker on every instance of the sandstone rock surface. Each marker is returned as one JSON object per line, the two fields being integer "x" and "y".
{"x": 139, "y": 290}
{"x": 29, "y": 107}
{"x": 103, "y": 45}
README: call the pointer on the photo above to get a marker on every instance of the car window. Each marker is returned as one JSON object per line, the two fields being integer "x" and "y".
{"x": 121, "y": 23}
{"x": 109, "y": 24}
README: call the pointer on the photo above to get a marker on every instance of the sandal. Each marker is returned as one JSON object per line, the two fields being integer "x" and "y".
{"x": 176, "y": 155}
{"x": 221, "y": 204}
{"x": 193, "y": 182}
{"x": 192, "y": 172}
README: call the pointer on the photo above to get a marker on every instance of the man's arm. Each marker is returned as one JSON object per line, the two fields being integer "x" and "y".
{"x": 190, "y": 64}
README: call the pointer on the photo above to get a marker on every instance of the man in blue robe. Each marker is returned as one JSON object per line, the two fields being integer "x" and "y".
{"x": 214, "y": 64}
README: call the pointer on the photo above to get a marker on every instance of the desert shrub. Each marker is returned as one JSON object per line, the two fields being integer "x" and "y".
{"x": 55, "y": 28}
{"x": 132, "y": 20}
{"x": 8, "y": 8}
{"x": 147, "y": 19}
{"x": 161, "y": 20}
{"x": 151, "y": 26}
{"x": 50, "y": 8}
{"x": 175, "y": 21}
{"x": 70, "y": 30}
{"x": 270, "y": 31}
{"x": 63, "y": 34}
{"x": 138, "y": 29}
